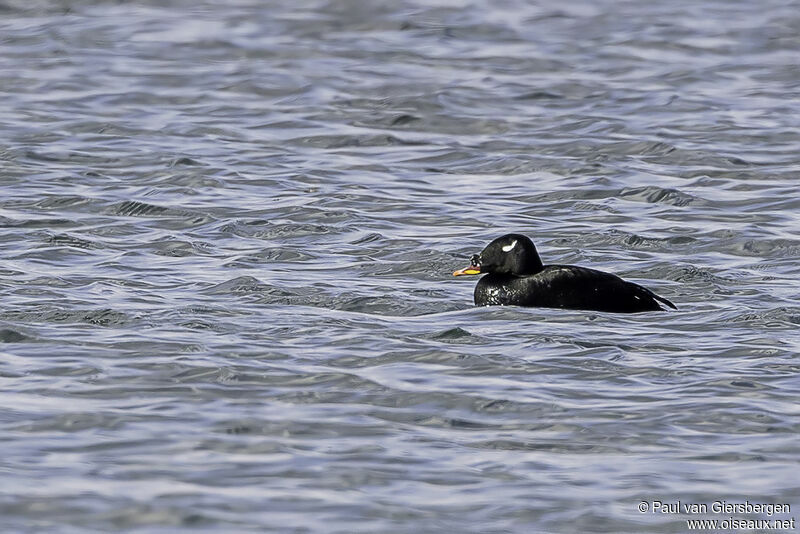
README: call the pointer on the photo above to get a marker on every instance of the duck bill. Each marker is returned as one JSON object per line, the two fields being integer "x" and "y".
{"x": 472, "y": 269}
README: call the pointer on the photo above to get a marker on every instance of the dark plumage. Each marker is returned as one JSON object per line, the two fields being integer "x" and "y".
{"x": 516, "y": 276}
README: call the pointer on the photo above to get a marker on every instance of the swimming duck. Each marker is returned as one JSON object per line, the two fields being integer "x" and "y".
{"x": 516, "y": 276}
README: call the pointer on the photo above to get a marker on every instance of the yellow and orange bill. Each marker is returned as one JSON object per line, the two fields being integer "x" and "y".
{"x": 472, "y": 269}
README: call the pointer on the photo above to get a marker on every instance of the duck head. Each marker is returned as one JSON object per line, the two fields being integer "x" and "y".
{"x": 513, "y": 254}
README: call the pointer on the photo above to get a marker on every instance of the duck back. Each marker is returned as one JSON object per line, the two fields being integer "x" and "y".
{"x": 568, "y": 287}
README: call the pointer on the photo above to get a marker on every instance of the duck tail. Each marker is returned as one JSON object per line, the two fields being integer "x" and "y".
{"x": 665, "y": 301}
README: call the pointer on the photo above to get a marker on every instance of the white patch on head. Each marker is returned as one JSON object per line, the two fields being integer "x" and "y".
{"x": 508, "y": 248}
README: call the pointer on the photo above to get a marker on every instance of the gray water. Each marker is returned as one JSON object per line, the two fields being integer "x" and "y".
{"x": 228, "y": 233}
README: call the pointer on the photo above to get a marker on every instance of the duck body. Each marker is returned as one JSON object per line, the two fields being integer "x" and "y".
{"x": 568, "y": 287}
{"x": 516, "y": 277}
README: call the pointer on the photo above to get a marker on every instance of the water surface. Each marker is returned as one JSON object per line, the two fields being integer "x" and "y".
{"x": 228, "y": 232}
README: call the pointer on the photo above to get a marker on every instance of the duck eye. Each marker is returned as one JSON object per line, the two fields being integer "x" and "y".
{"x": 475, "y": 260}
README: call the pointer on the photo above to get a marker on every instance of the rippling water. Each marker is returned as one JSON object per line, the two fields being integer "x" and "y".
{"x": 228, "y": 232}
